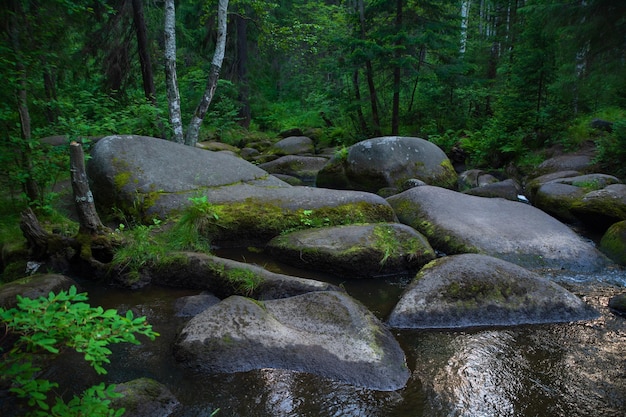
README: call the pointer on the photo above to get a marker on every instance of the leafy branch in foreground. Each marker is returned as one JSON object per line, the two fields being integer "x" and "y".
{"x": 64, "y": 320}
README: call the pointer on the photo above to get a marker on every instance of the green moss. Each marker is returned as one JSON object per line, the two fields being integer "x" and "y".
{"x": 448, "y": 177}
{"x": 613, "y": 243}
{"x": 478, "y": 292}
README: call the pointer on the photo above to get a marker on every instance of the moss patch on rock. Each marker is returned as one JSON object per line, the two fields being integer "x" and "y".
{"x": 613, "y": 242}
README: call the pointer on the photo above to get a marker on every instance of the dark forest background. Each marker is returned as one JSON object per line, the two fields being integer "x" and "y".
{"x": 502, "y": 79}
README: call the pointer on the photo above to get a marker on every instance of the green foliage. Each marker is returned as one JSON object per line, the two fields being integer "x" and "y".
{"x": 58, "y": 321}
{"x": 612, "y": 149}
{"x": 141, "y": 248}
{"x": 243, "y": 280}
{"x": 195, "y": 227}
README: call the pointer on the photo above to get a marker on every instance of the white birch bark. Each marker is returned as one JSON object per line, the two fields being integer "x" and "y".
{"x": 216, "y": 65}
{"x": 173, "y": 96}
{"x": 465, "y": 9}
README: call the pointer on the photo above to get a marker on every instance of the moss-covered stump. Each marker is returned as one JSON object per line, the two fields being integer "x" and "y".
{"x": 476, "y": 290}
{"x": 145, "y": 397}
{"x": 613, "y": 243}
{"x": 355, "y": 251}
{"x": 324, "y": 333}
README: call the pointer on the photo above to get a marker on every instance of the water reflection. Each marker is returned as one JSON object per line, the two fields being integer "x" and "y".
{"x": 573, "y": 370}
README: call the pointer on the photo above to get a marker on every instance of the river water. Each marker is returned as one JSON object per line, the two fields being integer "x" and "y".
{"x": 570, "y": 369}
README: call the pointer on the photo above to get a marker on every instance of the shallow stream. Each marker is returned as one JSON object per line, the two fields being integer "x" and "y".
{"x": 571, "y": 369}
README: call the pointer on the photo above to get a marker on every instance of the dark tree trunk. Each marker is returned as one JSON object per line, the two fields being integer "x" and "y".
{"x": 357, "y": 96}
{"x": 369, "y": 74}
{"x": 395, "y": 114}
{"x": 144, "y": 52}
{"x": 242, "y": 71}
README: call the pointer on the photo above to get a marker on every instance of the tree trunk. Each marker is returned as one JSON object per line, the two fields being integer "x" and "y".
{"x": 173, "y": 96}
{"x": 216, "y": 65}
{"x": 143, "y": 50}
{"x": 395, "y": 112}
{"x": 369, "y": 74}
{"x": 357, "y": 96}
{"x": 242, "y": 71}
{"x": 83, "y": 198}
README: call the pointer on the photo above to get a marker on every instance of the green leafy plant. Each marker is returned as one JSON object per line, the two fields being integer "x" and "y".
{"x": 198, "y": 222}
{"x": 141, "y": 247}
{"x": 58, "y": 321}
{"x": 612, "y": 149}
{"x": 244, "y": 281}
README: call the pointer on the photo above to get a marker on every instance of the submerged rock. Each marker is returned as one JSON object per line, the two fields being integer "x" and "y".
{"x": 476, "y": 290}
{"x": 458, "y": 223}
{"x": 324, "y": 333}
{"x": 356, "y": 251}
{"x": 145, "y": 397}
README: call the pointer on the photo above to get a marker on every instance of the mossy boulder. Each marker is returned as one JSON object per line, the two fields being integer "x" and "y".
{"x": 145, "y": 397}
{"x": 293, "y": 145}
{"x": 613, "y": 243}
{"x": 457, "y": 223}
{"x": 226, "y": 277}
{"x": 355, "y": 251}
{"x": 384, "y": 162}
{"x": 603, "y": 207}
{"x": 142, "y": 177}
{"x": 473, "y": 290}
{"x": 508, "y": 189}
{"x": 325, "y": 333}
{"x": 33, "y": 287}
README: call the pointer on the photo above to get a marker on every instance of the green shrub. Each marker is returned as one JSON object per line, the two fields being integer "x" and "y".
{"x": 612, "y": 149}
{"x": 58, "y": 321}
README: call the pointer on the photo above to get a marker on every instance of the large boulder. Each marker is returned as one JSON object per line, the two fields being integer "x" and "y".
{"x": 476, "y": 290}
{"x": 324, "y": 333}
{"x": 458, "y": 223}
{"x": 355, "y": 251}
{"x": 147, "y": 178}
{"x": 385, "y": 162}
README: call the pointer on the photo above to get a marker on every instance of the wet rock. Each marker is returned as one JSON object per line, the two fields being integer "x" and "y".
{"x": 476, "y": 290}
{"x": 601, "y": 208}
{"x": 533, "y": 185}
{"x": 475, "y": 178}
{"x": 304, "y": 168}
{"x": 225, "y": 277}
{"x": 508, "y": 189}
{"x": 293, "y": 145}
{"x": 356, "y": 251}
{"x": 617, "y": 303}
{"x": 194, "y": 304}
{"x": 387, "y": 162}
{"x": 457, "y": 223}
{"x": 145, "y": 397}
{"x": 33, "y": 287}
{"x": 613, "y": 243}
{"x": 324, "y": 333}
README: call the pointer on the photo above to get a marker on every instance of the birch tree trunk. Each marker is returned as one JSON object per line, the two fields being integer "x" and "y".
{"x": 214, "y": 73}
{"x": 171, "y": 82}
{"x": 465, "y": 9}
